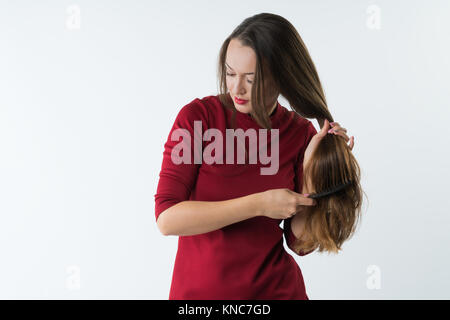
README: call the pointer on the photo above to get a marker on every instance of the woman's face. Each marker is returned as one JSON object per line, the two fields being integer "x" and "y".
{"x": 240, "y": 64}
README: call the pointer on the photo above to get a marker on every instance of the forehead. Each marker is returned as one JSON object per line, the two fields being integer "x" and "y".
{"x": 241, "y": 58}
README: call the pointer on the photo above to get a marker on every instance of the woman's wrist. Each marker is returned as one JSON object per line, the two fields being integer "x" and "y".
{"x": 258, "y": 199}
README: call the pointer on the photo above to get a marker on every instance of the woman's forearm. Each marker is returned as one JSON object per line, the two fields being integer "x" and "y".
{"x": 195, "y": 217}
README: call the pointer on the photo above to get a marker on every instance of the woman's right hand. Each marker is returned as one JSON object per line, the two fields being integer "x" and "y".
{"x": 283, "y": 203}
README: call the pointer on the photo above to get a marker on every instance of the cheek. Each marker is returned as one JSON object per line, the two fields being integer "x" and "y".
{"x": 229, "y": 83}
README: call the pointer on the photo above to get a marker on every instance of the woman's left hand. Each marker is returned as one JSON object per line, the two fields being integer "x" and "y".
{"x": 315, "y": 140}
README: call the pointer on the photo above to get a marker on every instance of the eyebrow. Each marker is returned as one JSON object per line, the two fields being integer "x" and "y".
{"x": 233, "y": 69}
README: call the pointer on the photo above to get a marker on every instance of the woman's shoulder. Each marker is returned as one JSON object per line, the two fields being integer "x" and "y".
{"x": 206, "y": 109}
{"x": 201, "y": 107}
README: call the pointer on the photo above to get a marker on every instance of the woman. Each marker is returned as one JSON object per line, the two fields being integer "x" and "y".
{"x": 227, "y": 213}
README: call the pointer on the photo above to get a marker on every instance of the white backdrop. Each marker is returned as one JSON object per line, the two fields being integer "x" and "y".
{"x": 90, "y": 90}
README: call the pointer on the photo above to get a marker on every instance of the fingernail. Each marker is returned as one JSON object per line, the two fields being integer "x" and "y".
{"x": 331, "y": 123}
{"x": 306, "y": 194}
{"x": 331, "y": 130}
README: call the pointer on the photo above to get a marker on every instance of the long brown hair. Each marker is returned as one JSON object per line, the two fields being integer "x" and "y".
{"x": 335, "y": 217}
{"x": 282, "y": 57}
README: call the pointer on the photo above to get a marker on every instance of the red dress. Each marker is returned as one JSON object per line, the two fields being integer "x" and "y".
{"x": 244, "y": 260}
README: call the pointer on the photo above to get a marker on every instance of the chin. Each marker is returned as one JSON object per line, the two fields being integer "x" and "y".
{"x": 243, "y": 109}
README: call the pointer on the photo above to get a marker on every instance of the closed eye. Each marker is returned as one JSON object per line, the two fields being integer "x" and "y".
{"x": 232, "y": 75}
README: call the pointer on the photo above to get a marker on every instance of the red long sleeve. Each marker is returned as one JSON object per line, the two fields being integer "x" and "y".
{"x": 244, "y": 260}
{"x": 176, "y": 181}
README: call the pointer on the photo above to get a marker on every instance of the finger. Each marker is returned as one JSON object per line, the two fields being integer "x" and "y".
{"x": 333, "y": 127}
{"x": 352, "y": 142}
{"x": 336, "y": 125}
{"x": 339, "y": 128}
{"x": 325, "y": 128}
{"x": 322, "y": 132}
{"x": 335, "y": 130}
{"x": 343, "y": 134}
{"x": 305, "y": 201}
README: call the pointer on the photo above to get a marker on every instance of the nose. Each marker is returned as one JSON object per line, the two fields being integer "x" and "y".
{"x": 238, "y": 87}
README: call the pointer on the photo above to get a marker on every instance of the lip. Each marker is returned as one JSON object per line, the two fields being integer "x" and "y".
{"x": 239, "y": 101}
